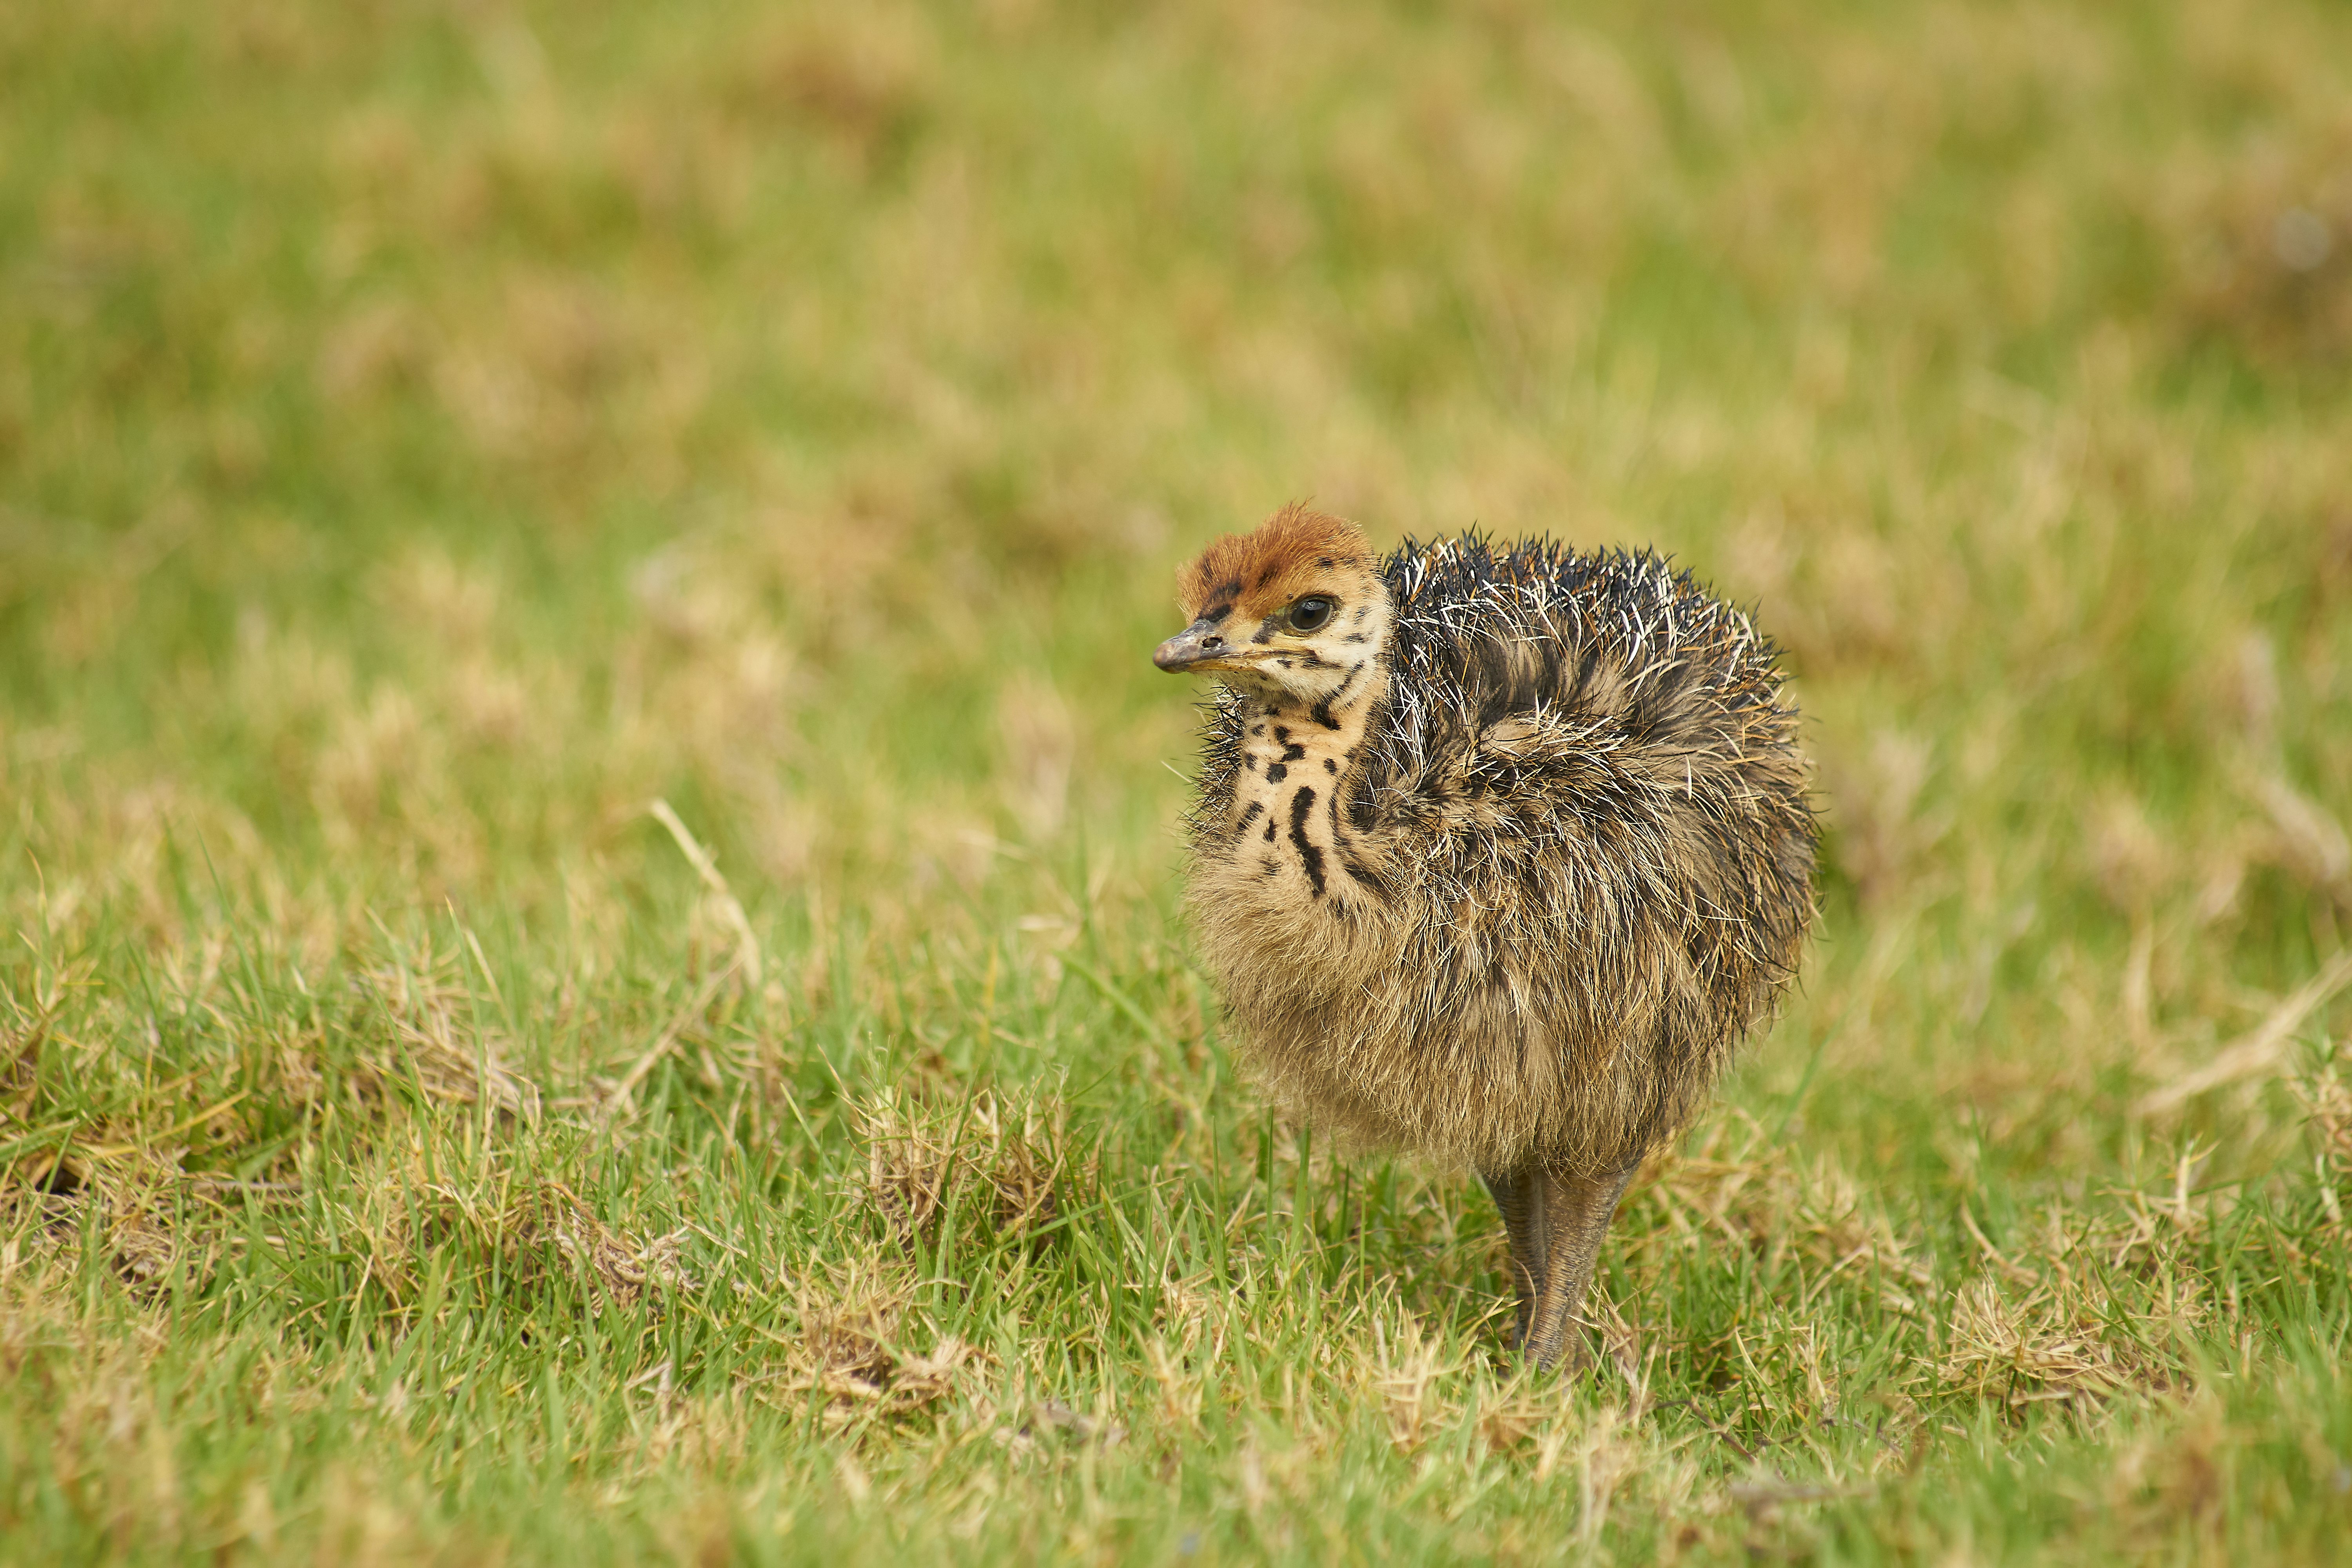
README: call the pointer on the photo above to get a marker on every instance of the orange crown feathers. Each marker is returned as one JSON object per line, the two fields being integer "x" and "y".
{"x": 1265, "y": 568}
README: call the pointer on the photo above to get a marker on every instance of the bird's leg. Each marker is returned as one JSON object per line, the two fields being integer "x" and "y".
{"x": 1516, "y": 1195}
{"x": 1573, "y": 1216}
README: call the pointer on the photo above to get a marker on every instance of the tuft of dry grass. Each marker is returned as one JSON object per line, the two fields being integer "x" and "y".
{"x": 1005, "y": 1161}
{"x": 850, "y": 1353}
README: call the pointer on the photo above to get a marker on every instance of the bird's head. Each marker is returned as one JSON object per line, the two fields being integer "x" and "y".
{"x": 1293, "y": 608}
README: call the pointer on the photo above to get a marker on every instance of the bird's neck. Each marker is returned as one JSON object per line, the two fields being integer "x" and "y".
{"x": 1300, "y": 764}
{"x": 1285, "y": 730}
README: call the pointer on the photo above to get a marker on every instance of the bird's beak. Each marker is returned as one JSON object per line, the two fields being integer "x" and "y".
{"x": 1200, "y": 645}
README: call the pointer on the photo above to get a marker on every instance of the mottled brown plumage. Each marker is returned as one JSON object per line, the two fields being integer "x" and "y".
{"x": 1497, "y": 853}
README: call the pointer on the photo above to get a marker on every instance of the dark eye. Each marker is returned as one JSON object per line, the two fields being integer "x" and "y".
{"x": 1311, "y": 612}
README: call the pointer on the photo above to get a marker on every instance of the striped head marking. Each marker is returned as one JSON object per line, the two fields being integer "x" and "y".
{"x": 1295, "y": 608}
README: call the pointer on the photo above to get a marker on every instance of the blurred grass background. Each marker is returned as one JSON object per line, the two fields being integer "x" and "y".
{"x": 429, "y": 432}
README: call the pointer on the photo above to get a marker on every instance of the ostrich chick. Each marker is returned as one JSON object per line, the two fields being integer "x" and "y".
{"x": 1497, "y": 853}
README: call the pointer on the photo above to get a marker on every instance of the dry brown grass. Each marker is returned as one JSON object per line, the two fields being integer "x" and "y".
{"x": 1003, "y": 1161}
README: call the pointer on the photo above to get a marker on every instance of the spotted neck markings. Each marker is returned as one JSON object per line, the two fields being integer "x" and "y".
{"x": 1297, "y": 735}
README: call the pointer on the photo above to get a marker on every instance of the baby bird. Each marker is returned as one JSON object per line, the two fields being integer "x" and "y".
{"x": 1497, "y": 855}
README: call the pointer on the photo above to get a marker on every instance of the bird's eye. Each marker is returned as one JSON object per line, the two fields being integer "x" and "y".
{"x": 1311, "y": 612}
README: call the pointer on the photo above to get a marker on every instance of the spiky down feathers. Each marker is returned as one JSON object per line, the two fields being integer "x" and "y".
{"x": 1566, "y": 863}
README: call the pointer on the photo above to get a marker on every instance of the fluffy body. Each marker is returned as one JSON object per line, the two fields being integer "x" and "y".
{"x": 1502, "y": 863}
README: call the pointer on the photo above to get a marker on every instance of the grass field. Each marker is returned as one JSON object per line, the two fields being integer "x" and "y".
{"x": 431, "y": 434}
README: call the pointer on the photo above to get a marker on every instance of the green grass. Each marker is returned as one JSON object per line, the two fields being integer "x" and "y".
{"x": 431, "y": 434}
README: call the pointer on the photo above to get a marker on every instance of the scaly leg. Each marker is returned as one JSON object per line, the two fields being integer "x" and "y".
{"x": 1574, "y": 1214}
{"x": 1516, "y": 1194}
